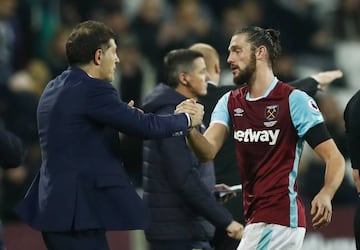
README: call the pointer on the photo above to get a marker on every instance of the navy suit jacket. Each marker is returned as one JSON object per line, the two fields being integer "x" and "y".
{"x": 82, "y": 183}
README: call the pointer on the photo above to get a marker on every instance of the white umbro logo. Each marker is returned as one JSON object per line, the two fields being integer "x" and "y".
{"x": 238, "y": 112}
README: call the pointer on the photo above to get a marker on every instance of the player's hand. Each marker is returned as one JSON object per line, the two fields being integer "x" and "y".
{"x": 235, "y": 230}
{"x": 195, "y": 110}
{"x": 326, "y": 77}
{"x": 321, "y": 210}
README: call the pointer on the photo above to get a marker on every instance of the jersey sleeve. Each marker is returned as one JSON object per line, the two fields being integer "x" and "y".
{"x": 221, "y": 113}
{"x": 304, "y": 112}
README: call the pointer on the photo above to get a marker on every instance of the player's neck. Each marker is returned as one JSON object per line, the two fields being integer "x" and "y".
{"x": 260, "y": 82}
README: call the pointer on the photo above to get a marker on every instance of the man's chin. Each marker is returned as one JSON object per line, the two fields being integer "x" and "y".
{"x": 238, "y": 81}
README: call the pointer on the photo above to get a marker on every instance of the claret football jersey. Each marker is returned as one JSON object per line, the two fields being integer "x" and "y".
{"x": 268, "y": 133}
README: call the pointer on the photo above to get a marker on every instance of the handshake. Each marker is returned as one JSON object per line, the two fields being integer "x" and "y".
{"x": 194, "y": 109}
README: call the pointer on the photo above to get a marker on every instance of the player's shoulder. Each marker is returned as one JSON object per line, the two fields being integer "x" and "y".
{"x": 303, "y": 101}
{"x": 284, "y": 87}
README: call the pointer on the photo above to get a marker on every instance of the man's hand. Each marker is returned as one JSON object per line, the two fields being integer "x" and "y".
{"x": 225, "y": 198}
{"x": 131, "y": 105}
{"x": 321, "y": 210}
{"x": 327, "y": 77}
{"x": 195, "y": 110}
{"x": 235, "y": 230}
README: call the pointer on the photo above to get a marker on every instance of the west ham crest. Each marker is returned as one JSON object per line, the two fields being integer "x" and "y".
{"x": 270, "y": 114}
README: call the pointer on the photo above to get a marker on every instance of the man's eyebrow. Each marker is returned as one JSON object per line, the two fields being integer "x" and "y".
{"x": 232, "y": 47}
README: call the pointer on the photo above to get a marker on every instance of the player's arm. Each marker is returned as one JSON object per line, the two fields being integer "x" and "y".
{"x": 316, "y": 82}
{"x": 326, "y": 77}
{"x": 310, "y": 125}
{"x": 321, "y": 209}
{"x": 335, "y": 166}
{"x": 208, "y": 145}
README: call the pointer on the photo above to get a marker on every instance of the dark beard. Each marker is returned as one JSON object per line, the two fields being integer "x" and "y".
{"x": 245, "y": 75}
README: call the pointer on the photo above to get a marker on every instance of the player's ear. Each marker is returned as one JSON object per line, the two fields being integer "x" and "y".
{"x": 97, "y": 56}
{"x": 261, "y": 51}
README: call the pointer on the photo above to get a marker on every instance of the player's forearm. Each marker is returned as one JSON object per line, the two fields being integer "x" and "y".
{"x": 334, "y": 174}
{"x": 200, "y": 145}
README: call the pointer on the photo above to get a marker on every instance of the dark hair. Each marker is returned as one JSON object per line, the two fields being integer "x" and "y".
{"x": 257, "y": 36}
{"x": 178, "y": 61}
{"x": 85, "y": 39}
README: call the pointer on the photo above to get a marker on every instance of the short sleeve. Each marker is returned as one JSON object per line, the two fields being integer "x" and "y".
{"x": 221, "y": 113}
{"x": 304, "y": 111}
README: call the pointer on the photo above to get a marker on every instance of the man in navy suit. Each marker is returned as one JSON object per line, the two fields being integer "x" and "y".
{"x": 82, "y": 190}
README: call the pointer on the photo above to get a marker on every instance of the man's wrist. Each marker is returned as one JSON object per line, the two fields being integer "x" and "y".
{"x": 190, "y": 129}
{"x": 189, "y": 119}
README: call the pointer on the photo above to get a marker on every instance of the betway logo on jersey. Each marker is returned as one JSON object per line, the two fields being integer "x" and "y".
{"x": 250, "y": 135}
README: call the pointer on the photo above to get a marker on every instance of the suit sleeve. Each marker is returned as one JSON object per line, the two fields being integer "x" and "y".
{"x": 105, "y": 106}
{"x": 185, "y": 178}
{"x": 11, "y": 149}
{"x": 308, "y": 85}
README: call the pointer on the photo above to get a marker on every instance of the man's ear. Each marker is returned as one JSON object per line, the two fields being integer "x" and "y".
{"x": 182, "y": 78}
{"x": 217, "y": 68}
{"x": 97, "y": 56}
{"x": 261, "y": 51}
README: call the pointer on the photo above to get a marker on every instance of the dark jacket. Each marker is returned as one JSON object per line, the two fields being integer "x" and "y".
{"x": 178, "y": 189}
{"x": 82, "y": 183}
